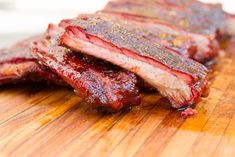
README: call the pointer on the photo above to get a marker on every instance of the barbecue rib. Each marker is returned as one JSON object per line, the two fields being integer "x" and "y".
{"x": 173, "y": 18}
{"x": 206, "y": 48}
{"x": 192, "y": 19}
{"x": 18, "y": 65}
{"x": 179, "y": 79}
{"x": 207, "y": 17}
{"x": 176, "y": 42}
{"x": 225, "y": 21}
{"x": 100, "y": 84}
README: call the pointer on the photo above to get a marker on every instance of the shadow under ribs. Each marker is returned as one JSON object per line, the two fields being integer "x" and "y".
{"x": 179, "y": 79}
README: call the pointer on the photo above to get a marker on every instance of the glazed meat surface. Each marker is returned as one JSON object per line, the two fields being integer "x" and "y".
{"x": 179, "y": 79}
{"x": 101, "y": 84}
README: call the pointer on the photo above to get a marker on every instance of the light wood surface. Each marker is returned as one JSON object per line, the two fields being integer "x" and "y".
{"x": 37, "y": 120}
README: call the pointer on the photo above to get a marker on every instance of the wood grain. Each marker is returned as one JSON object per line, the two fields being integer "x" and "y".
{"x": 44, "y": 121}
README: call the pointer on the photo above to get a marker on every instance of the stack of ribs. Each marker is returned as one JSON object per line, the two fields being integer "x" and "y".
{"x": 104, "y": 56}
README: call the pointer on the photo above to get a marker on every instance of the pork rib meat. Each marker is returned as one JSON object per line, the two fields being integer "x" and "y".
{"x": 202, "y": 29}
{"x": 173, "y": 37}
{"x": 223, "y": 20}
{"x": 18, "y": 65}
{"x": 175, "y": 41}
{"x": 196, "y": 17}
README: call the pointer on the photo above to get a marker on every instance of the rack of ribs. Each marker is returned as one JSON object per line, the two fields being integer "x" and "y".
{"x": 101, "y": 84}
{"x": 179, "y": 79}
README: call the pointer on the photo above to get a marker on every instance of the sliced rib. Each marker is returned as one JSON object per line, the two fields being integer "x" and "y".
{"x": 100, "y": 84}
{"x": 203, "y": 33}
{"x": 176, "y": 42}
{"x": 18, "y": 65}
{"x": 179, "y": 79}
{"x": 206, "y": 47}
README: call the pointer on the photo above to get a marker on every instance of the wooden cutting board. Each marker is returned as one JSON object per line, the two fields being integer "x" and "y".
{"x": 37, "y": 120}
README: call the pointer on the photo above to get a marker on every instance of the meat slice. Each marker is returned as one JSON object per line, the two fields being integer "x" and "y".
{"x": 18, "y": 65}
{"x": 18, "y": 52}
{"x": 179, "y": 79}
{"x": 201, "y": 29}
{"x": 176, "y": 42}
{"x": 171, "y": 35}
{"x": 101, "y": 84}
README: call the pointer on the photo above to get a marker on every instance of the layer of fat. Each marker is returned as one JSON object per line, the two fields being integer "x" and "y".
{"x": 166, "y": 83}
